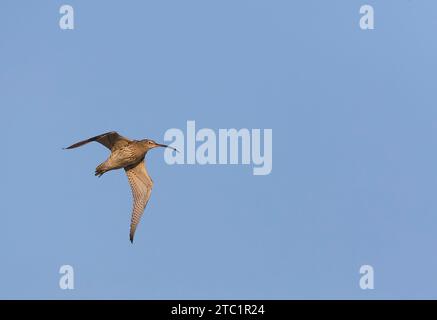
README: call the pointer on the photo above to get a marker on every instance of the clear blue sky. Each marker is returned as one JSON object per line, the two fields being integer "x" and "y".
{"x": 354, "y": 121}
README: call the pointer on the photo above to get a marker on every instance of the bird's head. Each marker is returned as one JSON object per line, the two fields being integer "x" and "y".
{"x": 150, "y": 144}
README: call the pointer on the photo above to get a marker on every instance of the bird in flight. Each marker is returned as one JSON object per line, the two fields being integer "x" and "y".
{"x": 129, "y": 155}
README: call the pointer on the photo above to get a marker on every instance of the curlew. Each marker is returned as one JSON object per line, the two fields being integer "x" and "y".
{"x": 129, "y": 155}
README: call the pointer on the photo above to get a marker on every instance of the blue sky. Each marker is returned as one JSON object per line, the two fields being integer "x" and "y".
{"x": 354, "y": 122}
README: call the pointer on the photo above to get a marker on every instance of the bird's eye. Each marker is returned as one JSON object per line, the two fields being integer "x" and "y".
{"x": 150, "y": 142}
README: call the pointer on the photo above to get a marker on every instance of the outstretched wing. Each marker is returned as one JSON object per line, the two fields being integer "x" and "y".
{"x": 141, "y": 186}
{"x": 109, "y": 140}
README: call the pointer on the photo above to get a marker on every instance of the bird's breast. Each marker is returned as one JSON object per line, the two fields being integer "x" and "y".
{"x": 127, "y": 156}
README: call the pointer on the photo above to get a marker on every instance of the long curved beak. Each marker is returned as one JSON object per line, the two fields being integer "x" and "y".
{"x": 166, "y": 146}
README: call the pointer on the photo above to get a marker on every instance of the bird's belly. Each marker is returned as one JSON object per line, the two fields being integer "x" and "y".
{"x": 124, "y": 158}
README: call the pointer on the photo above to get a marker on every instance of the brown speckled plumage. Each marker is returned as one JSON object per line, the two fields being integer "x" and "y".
{"x": 127, "y": 154}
